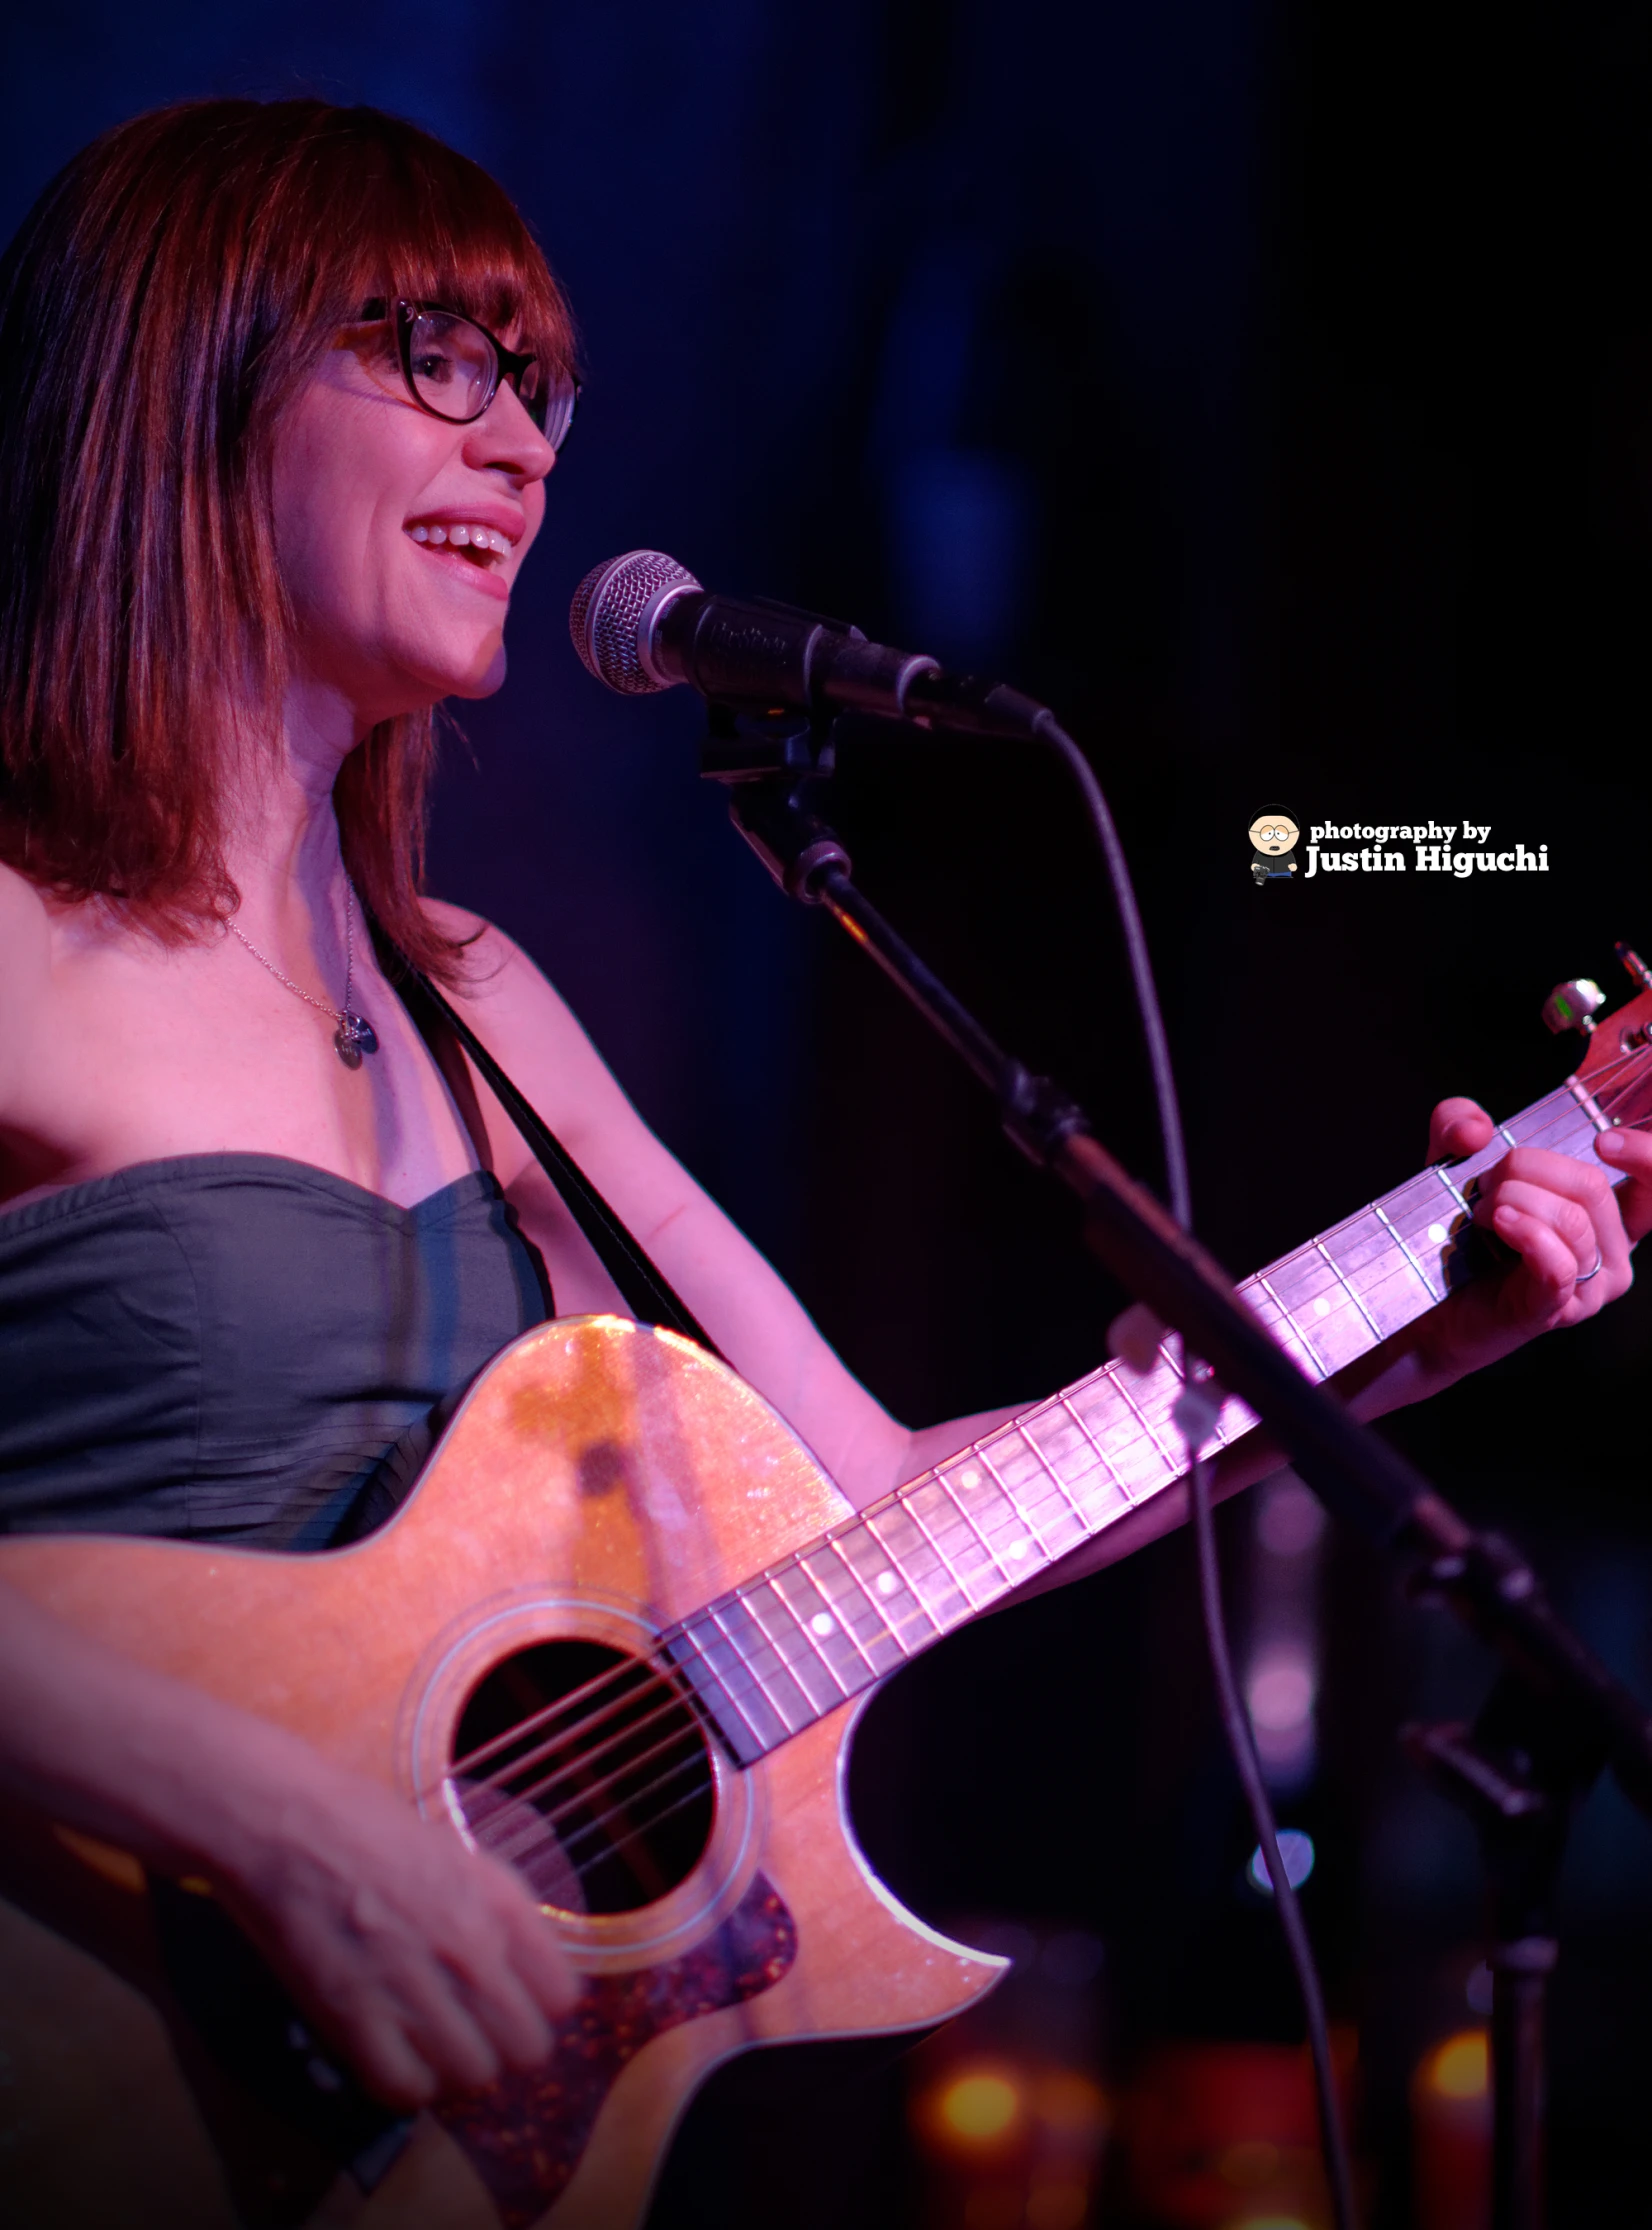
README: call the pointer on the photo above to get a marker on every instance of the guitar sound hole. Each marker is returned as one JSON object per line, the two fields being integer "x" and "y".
{"x": 586, "y": 1770}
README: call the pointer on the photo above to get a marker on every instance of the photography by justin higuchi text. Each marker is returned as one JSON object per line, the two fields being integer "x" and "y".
{"x": 1460, "y": 848}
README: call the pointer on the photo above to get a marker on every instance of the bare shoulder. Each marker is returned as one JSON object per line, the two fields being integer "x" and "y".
{"x": 528, "y": 1026}
{"x": 25, "y": 973}
{"x": 497, "y": 980}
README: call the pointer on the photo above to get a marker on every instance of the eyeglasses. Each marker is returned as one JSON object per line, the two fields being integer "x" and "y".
{"x": 453, "y": 367}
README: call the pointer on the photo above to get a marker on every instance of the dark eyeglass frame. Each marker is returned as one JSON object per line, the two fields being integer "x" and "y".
{"x": 509, "y": 364}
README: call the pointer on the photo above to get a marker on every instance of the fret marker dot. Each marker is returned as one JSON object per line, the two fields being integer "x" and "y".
{"x": 1018, "y": 1550}
{"x": 1322, "y": 1307}
{"x": 969, "y": 1478}
{"x": 823, "y": 1622}
{"x": 1438, "y": 1233}
{"x": 887, "y": 1583}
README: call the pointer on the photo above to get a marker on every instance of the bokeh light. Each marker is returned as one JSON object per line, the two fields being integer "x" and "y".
{"x": 1297, "y": 1852}
{"x": 1460, "y": 2067}
{"x": 980, "y": 2108}
{"x": 1281, "y": 1691}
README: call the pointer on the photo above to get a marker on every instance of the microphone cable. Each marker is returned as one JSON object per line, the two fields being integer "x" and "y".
{"x": 1195, "y": 1414}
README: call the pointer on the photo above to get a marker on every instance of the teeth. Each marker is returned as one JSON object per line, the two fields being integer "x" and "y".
{"x": 463, "y": 537}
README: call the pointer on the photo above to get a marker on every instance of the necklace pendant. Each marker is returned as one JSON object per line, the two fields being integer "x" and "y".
{"x": 354, "y": 1037}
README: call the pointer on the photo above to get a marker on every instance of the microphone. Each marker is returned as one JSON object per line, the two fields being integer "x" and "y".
{"x": 642, "y": 622}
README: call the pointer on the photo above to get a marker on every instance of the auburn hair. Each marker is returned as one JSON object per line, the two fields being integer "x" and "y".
{"x": 166, "y": 297}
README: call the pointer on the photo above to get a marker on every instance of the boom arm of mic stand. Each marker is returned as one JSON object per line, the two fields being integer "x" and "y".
{"x": 1358, "y": 1476}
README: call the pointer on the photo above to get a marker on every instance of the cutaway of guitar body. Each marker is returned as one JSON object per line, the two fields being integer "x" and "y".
{"x": 600, "y": 1481}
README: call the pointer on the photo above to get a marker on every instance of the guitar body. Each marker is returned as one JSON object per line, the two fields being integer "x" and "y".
{"x": 600, "y": 1481}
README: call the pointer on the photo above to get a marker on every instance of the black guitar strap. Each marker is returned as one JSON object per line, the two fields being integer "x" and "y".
{"x": 647, "y": 1294}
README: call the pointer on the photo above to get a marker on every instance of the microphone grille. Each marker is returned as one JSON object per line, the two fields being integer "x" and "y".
{"x": 606, "y": 616}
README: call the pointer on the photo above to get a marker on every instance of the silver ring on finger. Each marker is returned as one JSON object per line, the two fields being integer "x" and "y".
{"x": 1594, "y": 1272}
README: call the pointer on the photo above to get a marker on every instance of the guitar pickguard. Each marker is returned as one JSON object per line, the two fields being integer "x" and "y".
{"x": 525, "y": 2135}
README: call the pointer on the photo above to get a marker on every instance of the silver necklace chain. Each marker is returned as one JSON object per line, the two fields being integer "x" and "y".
{"x": 354, "y": 1035}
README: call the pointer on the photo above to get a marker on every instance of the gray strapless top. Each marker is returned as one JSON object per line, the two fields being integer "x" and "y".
{"x": 242, "y": 1348}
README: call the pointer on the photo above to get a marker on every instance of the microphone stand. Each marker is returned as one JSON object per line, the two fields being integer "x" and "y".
{"x": 1555, "y": 1716}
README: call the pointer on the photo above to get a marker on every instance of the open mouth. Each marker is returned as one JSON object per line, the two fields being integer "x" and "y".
{"x": 482, "y": 546}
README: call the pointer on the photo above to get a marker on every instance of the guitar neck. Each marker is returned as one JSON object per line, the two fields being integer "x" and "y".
{"x": 782, "y": 1649}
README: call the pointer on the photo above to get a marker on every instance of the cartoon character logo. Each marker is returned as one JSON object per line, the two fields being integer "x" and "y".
{"x": 1273, "y": 836}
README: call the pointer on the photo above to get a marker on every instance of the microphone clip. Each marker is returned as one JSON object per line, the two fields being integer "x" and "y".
{"x": 743, "y": 745}
{"x": 771, "y": 762}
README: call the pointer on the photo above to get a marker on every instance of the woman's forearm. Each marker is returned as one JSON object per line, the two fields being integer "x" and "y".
{"x": 132, "y": 1755}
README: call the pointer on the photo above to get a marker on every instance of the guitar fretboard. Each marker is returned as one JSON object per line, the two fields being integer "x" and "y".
{"x": 783, "y": 1648}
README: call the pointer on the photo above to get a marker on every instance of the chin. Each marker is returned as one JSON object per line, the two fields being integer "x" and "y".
{"x": 483, "y": 684}
{"x": 470, "y": 679}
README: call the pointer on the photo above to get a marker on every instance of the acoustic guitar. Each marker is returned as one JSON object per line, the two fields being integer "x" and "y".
{"x": 620, "y": 1633}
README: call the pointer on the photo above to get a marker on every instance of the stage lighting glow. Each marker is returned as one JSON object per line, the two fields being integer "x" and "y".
{"x": 993, "y": 2207}
{"x": 980, "y": 2107}
{"x": 1057, "y": 2205}
{"x": 1297, "y": 1851}
{"x": 1070, "y": 2104}
{"x": 1281, "y": 1691}
{"x": 1290, "y": 1519}
{"x": 1460, "y": 2067}
{"x": 1251, "y": 2162}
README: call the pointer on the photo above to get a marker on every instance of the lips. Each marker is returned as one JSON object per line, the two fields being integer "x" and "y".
{"x": 473, "y": 549}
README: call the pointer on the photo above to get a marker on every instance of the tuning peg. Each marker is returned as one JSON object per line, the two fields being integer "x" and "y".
{"x": 1571, "y": 1006}
{"x": 1635, "y": 964}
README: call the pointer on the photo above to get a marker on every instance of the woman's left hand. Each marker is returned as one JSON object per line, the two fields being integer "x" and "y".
{"x": 1568, "y": 1231}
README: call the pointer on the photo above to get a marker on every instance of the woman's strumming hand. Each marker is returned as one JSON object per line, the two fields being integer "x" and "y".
{"x": 426, "y": 1963}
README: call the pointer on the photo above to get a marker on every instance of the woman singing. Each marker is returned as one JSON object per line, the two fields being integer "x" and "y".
{"x": 281, "y": 390}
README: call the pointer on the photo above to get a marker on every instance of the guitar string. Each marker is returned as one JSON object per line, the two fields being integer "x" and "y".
{"x": 569, "y": 1754}
{"x": 573, "y": 1756}
{"x": 677, "y": 1697}
{"x": 576, "y": 1820}
{"x": 625, "y": 1809}
{"x": 647, "y": 1669}
{"x": 601, "y": 1688}
{"x": 609, "y": 1675}
{"x": 675, "y": 1701}
{"x": 558, "y": 1818}
{"x": 620, "y": 1672}
{"x": 562, "y": 1822}
{"x": 609, "y": 1786}
{"x": 1627, "y": 1058}
{"x": 601, "y": 1683}
{"x": 688, "y": 1726}
{"x": 642, "y": 1672}
{"x": 618, "y": 1842}
{"x": 516, "y": 1838}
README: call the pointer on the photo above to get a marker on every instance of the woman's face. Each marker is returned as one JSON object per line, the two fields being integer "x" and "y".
{"x": 386, "y": 622}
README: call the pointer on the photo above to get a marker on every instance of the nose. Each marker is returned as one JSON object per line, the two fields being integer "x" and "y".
{"x": 505, "y": 439}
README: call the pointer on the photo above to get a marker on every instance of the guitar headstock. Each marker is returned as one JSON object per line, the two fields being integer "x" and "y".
{"x": 1616, "y": 1069}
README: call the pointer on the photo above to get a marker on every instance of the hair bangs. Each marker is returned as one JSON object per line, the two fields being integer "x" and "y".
{"x": 434, "y": 227}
